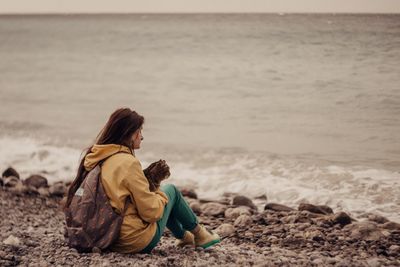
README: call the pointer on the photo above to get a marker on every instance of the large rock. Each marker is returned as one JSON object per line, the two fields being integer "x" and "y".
{"x": 213, "y": 209}
{"x": 37, "y": 181}
{"x": 186, "y": 192}
{"x": 58, "y": 189}
{"x": 277, "y": 207}
{"x": 10, "y": 171}
{"x": 243, "y": 220}
{"x": 225, "y": 229}
{"x": 12, "y": 241}
{"x": 11, "y": 181}
{"x": 341, "y": 218}
{"x": 321, "y": 209}
{"x": 195, "y": 206}
{"x": 243, "y": 201}
{"x": 233, "y": 213}
{"x": 364, "y": 230}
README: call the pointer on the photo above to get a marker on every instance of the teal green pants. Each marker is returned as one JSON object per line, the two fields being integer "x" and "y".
{"x": 177, "y": 217}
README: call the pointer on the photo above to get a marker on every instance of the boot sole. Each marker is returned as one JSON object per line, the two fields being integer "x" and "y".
{"x": 211, "y": 243}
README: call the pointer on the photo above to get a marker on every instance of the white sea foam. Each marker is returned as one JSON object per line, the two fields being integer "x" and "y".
{"x": 29, "y": 156}
{"x": 354, "y": 189}
{"x": 357, "y": 189}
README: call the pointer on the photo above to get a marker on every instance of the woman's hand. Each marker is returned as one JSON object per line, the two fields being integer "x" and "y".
{"x": 156, "y": 173}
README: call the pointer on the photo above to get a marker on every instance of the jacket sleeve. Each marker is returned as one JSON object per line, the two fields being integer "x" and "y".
{"x": 150, "y": 205}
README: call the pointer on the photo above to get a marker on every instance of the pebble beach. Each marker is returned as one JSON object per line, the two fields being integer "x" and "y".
{"x": 32, "y": 233}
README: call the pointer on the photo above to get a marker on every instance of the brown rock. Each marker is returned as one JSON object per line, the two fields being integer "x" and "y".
{"x": 394, "y": 250}
{"x": 18, "y": 189}
{"x": 364, "y": 230}
{"x": 186, "y": 192}
{"x": 31, "y": 190}
{"x": 391, "y": 226}
{"x": 21, "y": 189}
{"x": 306, "y": 216}
{"x": 289, "y": 219}
{"x": 321, "y": 209}
{"x": 44, "y": 192}
{"x": 341, "y": 218}
{"x": 195, "y": 206}
{"x": 243, "y": 220}
{"x": 58, "y": 189}
{"x": 315, "y": 235}
{"x": 37, "y": 181}
{"x": 377, "y": 218}
{"x": 12, "y": 241}
{"x": 277, "y": 207}
{"x": 11, "y": 181}
{"x": 225, "y": 229}
{"x": 213, "y": 209}
{"x": 10, "y": 171}
{"x": 243, "y": 201}
{"x": 233, "y": 213}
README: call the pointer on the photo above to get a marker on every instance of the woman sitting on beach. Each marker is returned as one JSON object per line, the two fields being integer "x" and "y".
{"x": 147, "y": 213}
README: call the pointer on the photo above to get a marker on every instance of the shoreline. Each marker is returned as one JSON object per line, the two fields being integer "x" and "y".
{"x": 32, "y": 228}
{"x": 285, "y": 179}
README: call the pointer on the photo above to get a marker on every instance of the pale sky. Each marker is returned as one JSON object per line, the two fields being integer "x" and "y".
{"x": 198, "y": 6}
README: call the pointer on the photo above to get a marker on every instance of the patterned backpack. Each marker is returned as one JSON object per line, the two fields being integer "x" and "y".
{"x": 91, "y": 220}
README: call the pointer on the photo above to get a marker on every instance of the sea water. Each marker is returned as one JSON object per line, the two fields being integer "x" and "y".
{"x": 302, "y": 108}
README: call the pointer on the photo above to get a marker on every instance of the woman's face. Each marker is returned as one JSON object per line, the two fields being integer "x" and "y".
{"x": 137, "y": 138}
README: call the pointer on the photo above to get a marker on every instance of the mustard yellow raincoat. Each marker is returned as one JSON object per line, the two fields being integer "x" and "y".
{"x": 122, "y": 177}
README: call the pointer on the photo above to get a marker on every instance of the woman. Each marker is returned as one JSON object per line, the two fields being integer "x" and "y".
{"x": 147, "y": 213}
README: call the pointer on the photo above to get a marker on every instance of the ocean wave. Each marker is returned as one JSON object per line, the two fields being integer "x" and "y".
{"x": 30, "y": 156}
{"x": 212, "y": 173}
{"x": 354, "y": 189}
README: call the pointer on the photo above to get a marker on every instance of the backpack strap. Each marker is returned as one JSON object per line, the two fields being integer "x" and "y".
{"x": 100, "y": 163}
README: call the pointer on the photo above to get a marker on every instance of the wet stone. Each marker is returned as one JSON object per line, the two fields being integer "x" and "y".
{"x": 277, "y": 207}
{"x": 36, "y": 181}
{"x": 213, "y": 209}
{"x": 243, "y": 201}
{"x": 10, "y": 171}
{"x": 233, "y": 213}
{"x": 341, "y": 218}
{"x": 321, "y": 209}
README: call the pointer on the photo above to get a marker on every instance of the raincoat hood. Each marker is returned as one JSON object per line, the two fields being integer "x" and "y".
{"x": 101, "y": 152}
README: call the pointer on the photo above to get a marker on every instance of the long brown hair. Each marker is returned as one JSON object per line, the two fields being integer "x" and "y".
{"x": 121, "y": 125}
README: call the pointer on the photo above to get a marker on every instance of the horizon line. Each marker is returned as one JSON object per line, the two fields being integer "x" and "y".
{"x": 194, "y": 13}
